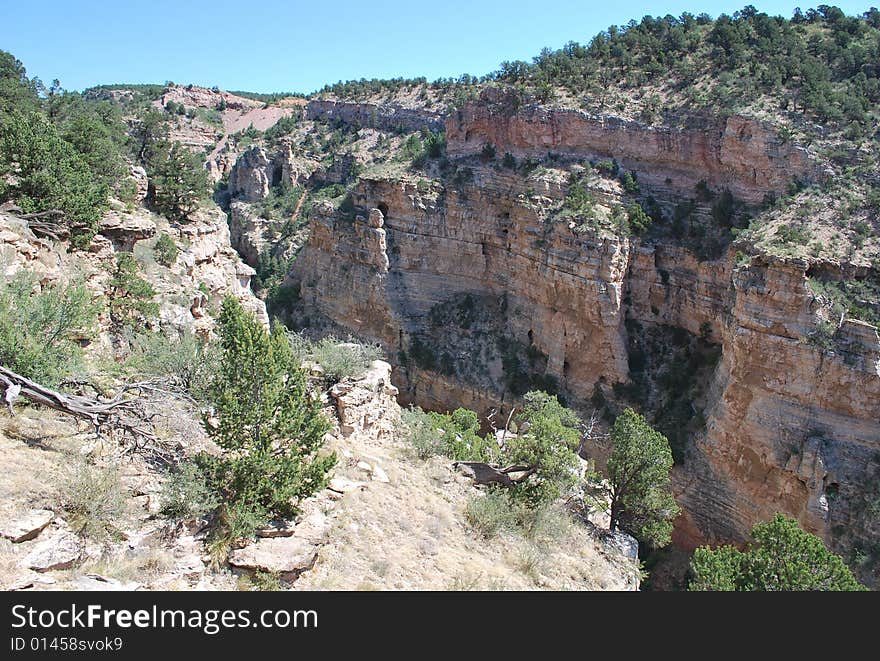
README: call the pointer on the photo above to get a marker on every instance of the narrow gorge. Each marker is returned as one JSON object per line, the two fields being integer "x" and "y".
{"x": 478, "y": 288}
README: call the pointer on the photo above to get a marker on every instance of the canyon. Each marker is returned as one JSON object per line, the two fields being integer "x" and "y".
{"x": 477, "y": 289}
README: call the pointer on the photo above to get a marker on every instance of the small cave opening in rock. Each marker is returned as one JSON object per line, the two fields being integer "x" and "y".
{"x": 504, "y": 222}
{"x": 277, "y": 173}
{"x": 384, "y": 209}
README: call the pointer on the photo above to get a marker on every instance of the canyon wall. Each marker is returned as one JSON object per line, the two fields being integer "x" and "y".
{"x": 740, "y": 153}
{"x": 388, "y": 117}
{"x": 205, "y": 270}
{"x": 476, "y": 294}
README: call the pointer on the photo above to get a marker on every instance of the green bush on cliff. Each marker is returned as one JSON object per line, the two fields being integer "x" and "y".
{"x": 40, "y": 327}
{"x": 270, "y": 429}
{"x": 186, "y": 362}
{"x": 40, "y": 171}
{"x": 179, "y": 180}
{"x": 637, "y": 219}
{"x": 820, "y": 63}
{"x": 338, "y": 359}
{"x": 165, "y": 250}
{"x": 546, "y": 449}
{"x": 455, "y": 435}
{"x": 641, "y": 501}
{"x": 782, "y": 557}
{"x": 131, "y": 297}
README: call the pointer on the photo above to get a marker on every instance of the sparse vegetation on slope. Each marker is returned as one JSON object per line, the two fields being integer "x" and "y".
{"x": 39, "y": 330}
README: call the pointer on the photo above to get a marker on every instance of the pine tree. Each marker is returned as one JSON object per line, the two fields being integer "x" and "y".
{"x": 178, "y": 179}
{"x": 40, "y": 171}
{"x": 783, "y": 557}
{"x": 270, "y": 428}
{"x": 547, "y": 448}
{"x": 638, "y": 470}
{"x": 149, "y": 132}
{"x": 131, "y": 297}
{"x": 17, "y": 91}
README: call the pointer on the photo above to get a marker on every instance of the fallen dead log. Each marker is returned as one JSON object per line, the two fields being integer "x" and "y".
{"x": 483, "y": 473}
{"x": 41, "y": 225}
{"x": 121, "y": 412}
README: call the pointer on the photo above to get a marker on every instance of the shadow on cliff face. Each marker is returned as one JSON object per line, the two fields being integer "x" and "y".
{"x": 466, "y": 338}
{"x": 670, "y": 373}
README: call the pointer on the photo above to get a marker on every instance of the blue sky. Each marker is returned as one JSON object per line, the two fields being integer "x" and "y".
{"x": 270, "y": 46}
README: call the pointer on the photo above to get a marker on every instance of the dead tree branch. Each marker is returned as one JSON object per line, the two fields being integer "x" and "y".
{"x": 122, "y": 412}
{"x": 40, "y": 224}
{"x": 482, "y": 473}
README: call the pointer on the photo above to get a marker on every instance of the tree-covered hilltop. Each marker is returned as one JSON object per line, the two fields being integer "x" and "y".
{"x": 820, "y": 63}
{"x": 67, "y": 154}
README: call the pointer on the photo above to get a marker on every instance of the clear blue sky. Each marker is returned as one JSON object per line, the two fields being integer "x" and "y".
{"x": 267, "y": 46}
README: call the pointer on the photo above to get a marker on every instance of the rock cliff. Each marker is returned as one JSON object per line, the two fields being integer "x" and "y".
{"x": 378, "y": 116}
{"x": 478, "y": 294}
{"x": 743, "y": 154}
{"x": 205, "y": 270}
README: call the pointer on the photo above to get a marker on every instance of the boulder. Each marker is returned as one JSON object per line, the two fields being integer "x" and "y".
{"x": 380, "y": 475}
{"x": 621, "y": 543}
{"x": 294, "y": 552}
{"x": 125, "y": 229}
{"x": 341, "y": 485}
{"x": 26, "y": 527}
{"x": 59, "y": 551}
{"x": 276, "y": 554}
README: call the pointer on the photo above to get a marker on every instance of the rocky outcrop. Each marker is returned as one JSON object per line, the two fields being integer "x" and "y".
{"x": 61, "y": 550}
{"x": 368, "y": 405}
{"x": 550, "y": 289}
{"x": 206, "y": 261}
{"x": 391, "y": 117}
{"x": 257, "y": 171}
{"x": 792, "y": 426}
{"x": 470, "y": 288}
{"x": 194, "y": 96}
{"x": 26, "y": 527}
{"x": 740, "y": 153}
{"x": 141, "y": 183}
{"x": 126, "y": 229}
{"x": 251, "y": 176}
{"x": 287, "y": 554}
{"x": 211, "y": 261}
{"x": 247, "y": 232}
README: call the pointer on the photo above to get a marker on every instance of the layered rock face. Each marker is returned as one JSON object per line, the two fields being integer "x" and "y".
{"x": 385, "y": 117}
{"x": 202, "y": 97}
{"x": 738, "y": 153}
{"x": 790, "y": 426}
{"x": 554, "y": 291}
{"x": 476, "y": 296}
{"x": 256, "y": 172}
{"x": 206, "y": 262}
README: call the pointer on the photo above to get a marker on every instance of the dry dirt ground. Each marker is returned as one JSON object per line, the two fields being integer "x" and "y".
{"x": 411, "y": 533}
{"x": 407, "y": 533}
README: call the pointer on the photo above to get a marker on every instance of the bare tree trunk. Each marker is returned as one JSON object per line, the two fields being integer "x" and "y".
{"x": 121, "y": 412}
{"x": 482, "y": 473}
{"x": 615, "y": 515}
